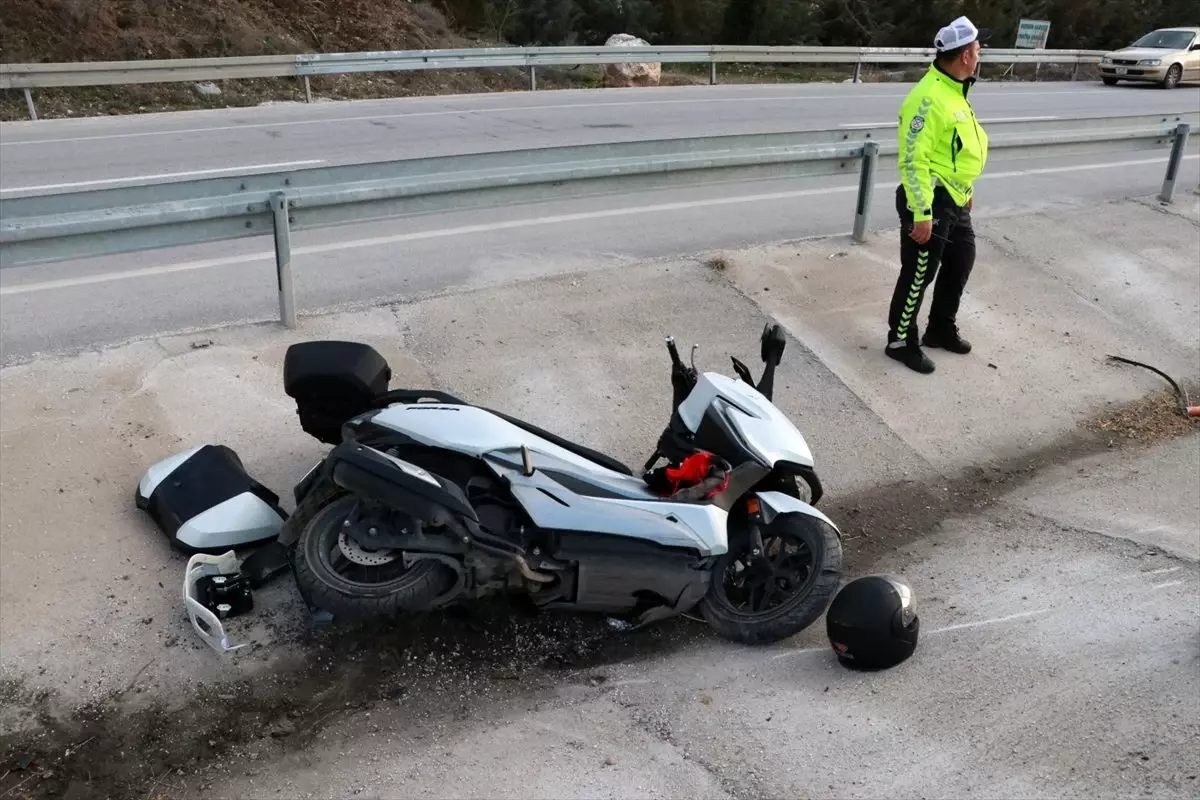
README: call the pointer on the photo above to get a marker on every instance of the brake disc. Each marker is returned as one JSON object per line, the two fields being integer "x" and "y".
{"x": 362, "y": 556}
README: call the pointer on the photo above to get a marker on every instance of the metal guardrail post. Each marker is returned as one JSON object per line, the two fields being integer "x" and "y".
{"x": 1075, "y": 70}
{"x": 712, "y": 72}
{"x": 307, "y": 90}
{"x": 1181, "y": 137}
{"x": 283, "y": 259}
{"x": 29, "y": 104}
{"x": 532, "y": 78}
{"x": 866, "y": 187}
{"x": 858, "y": 71}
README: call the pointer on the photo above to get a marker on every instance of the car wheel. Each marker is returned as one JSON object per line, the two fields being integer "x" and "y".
{"x": 1109, "y": 81}
{"x": 1173, "y": 76}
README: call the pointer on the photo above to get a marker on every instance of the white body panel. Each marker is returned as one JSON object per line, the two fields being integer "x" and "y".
{"x": 763, "y": 428}
{"x": 776, "y": 503}
{"x": 472, "y": 431}
{"x": 569, "y": 492}
{"x": 234, "y": 523}
{"x": 631, "y": 510}
{"x": 157, "y": 472}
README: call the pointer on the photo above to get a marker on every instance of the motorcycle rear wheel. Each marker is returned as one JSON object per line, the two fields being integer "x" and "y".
{"x": 805, "y": 558}
{"x": 327, "y": 570}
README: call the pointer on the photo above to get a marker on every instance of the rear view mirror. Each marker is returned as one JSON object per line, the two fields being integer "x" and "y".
{"x": 772, "y": 344}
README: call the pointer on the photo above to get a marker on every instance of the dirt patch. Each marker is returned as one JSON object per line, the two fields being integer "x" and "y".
{"x": 430, "y": 664}
{"x": 437, "y": 665}
{"x": 1153, "y": 419}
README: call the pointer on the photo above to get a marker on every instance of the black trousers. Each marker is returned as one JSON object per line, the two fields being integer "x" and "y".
{"x": 945, "y": 261}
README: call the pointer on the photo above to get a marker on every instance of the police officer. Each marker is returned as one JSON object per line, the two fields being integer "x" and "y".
{"x": 943, "y": 149}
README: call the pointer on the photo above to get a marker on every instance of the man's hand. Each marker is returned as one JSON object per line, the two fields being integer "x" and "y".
{"x": 922, "y": 231}
{"x": 971, "y": 203}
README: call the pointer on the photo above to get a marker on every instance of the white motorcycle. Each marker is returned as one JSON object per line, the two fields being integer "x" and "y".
{"x": 426, "y": 499}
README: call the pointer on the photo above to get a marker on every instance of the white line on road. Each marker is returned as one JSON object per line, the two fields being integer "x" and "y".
{"x": 961, "y": 626}
{"x": 995, "y": 621}
{"x": 489, "y": 227}
{"x": 471, "y": 111}
{"x": 1165, "y": 585}
{"x": 854, "y": 125}
{"x": 160, "y": 176}
{"x": 1163, "y": 571}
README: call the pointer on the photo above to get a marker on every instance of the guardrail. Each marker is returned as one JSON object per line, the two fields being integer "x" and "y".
{"x": 306, "y": 65}
{"x": 45, "y": 228}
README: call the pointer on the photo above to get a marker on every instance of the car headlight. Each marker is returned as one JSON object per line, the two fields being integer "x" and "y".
{"x": 1150, "y": 62}
{"x": 1105, "y": 60}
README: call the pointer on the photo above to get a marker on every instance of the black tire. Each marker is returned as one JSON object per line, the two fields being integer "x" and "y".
{"x": 1174, "y": 75}
{"x": 802, "y": 604}
{"x": 405, "y": 589}
{"x": 1109, "y": 81}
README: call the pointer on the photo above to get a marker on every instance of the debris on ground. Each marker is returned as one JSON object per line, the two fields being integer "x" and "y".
{"x": 1152, "y": 419}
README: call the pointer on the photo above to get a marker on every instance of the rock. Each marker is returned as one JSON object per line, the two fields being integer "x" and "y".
{"x": 283, "y": 728}
{"x": 207, "y": 89}
{"x": 631, "y": 74}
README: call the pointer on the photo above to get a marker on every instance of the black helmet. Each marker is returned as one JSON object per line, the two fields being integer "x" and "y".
{"x": 872, "y": 622}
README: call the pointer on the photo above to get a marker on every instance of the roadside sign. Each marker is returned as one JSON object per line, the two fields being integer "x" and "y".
{"x": 1033, "y": 33}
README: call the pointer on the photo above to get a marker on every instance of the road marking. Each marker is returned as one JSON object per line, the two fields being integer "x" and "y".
{"x": 468, "y": 111}
{"x": 160, "y": 176}
{"x": 853, "y": 125}
{"x": 1163, "y": 571}
{"x": 995, "y": 621}
{"x": 488, "y": 227}
{"x": 802, "y": 651}
{"x": 979, "y": 624}
{"x": 1165, "y": 585}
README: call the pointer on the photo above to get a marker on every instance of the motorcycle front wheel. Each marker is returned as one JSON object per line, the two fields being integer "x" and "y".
{"x": 756, "y": 601}
{"x": 350, "y": 581}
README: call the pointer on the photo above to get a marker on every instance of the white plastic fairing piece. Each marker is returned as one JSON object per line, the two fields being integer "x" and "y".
{"x": 155, "y": 475}
{"x": 204, "y": 621}
{"x": 238, "y": 521}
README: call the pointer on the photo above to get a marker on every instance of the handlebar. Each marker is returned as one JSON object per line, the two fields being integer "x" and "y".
{"x": 674, "y": 353}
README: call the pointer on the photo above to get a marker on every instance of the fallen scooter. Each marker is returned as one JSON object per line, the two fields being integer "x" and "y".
{"x": 426, "y": 499}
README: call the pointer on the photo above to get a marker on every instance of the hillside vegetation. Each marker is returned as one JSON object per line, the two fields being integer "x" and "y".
{"x": 102, "y": 30}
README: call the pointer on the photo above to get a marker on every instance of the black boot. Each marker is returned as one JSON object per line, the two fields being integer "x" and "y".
{"x": 911, "y": 356}
{"x": 946, "y": 338}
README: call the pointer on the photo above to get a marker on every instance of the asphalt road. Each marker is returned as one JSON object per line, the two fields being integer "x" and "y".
{"x": 86, "y": 303}
{"x": 97, "y": 152}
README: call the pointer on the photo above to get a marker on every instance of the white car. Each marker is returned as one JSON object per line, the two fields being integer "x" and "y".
{"x": 1167, "y": 56}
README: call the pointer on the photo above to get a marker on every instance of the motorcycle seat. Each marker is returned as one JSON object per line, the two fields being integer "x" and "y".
{"x": 583, "y": 452}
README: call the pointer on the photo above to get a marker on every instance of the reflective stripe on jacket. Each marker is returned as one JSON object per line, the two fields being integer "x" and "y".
{"x": 941, "y": 142}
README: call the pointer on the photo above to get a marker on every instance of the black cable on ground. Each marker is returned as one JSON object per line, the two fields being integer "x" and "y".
{"x": 1185, "y": 406}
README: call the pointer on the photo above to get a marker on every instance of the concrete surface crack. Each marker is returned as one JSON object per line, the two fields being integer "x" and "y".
{"x": 1156, "y": 205}
{"x": 657, "y": 725}
{"x": 1082, "y": 530}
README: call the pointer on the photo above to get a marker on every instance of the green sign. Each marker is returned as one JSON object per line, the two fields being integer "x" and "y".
{"x": 1033, "y": 33}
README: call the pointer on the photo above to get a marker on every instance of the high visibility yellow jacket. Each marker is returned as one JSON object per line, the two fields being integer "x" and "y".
{"x": 941, "y": 142}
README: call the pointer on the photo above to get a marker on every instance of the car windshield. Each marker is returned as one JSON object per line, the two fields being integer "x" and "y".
{"x": 1165, "y": 40}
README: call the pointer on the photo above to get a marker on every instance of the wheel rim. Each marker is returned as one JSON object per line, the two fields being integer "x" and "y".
{"x": 755, "y": 587}
{"x": 355, "y": 565}
{"x": 1173, "y": 75}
